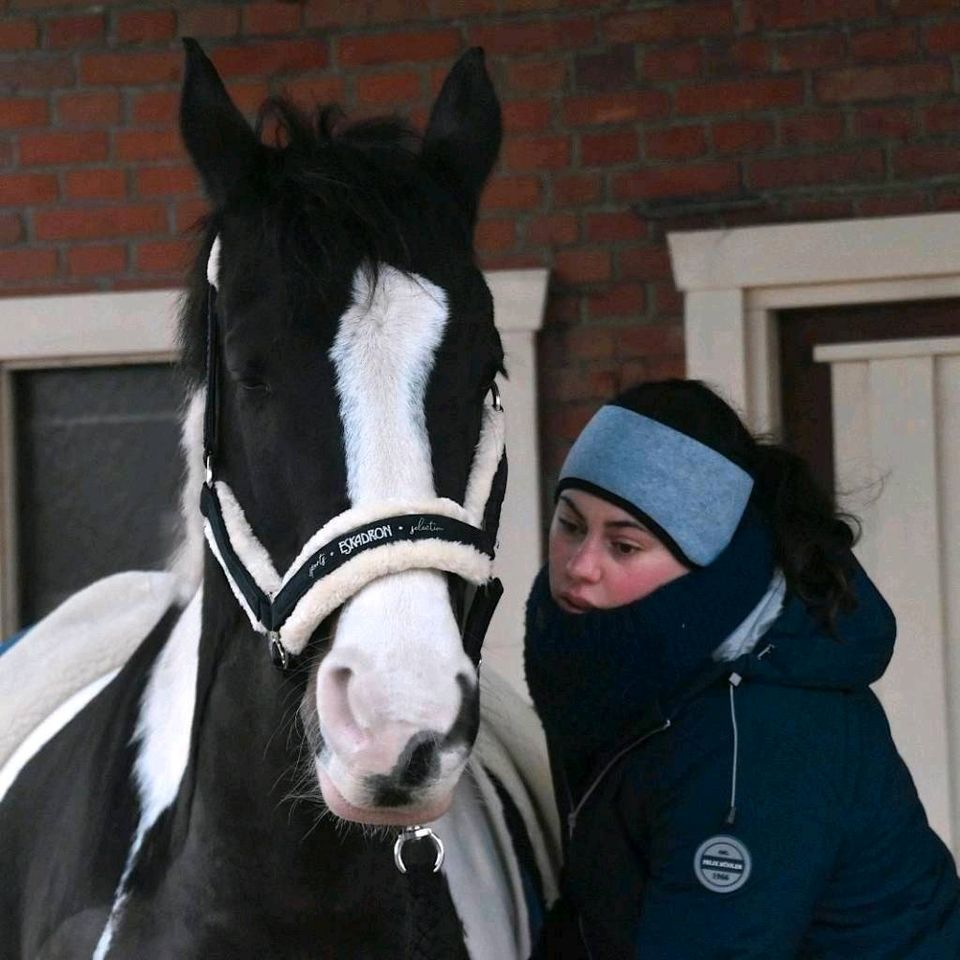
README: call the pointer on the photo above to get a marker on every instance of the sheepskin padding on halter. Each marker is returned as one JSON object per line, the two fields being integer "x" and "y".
{"x": 334, "y": 589}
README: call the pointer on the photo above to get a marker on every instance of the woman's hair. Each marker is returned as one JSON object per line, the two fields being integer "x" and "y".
{"x": 812, "y": 539}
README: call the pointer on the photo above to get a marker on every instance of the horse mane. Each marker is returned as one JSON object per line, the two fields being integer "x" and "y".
{"x": 348, "y": 171}
{"x": 333, "y": 193}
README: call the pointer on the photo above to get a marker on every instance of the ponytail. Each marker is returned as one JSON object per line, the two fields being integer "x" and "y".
{"x": 812, "y": 539}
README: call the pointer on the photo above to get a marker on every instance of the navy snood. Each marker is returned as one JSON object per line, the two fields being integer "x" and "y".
{"x": 592, "y": 674}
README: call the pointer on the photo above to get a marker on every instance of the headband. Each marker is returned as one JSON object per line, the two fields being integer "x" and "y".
{"x": 692, "y": 494}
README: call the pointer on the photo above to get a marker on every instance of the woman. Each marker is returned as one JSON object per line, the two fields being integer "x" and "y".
{"x": 699, "y": 648}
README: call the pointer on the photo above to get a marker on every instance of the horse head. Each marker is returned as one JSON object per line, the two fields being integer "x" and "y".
{"x": 340, "y": 338}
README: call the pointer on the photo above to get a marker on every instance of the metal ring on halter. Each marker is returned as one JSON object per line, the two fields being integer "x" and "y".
{"x": 497, "y": 405}
{"x": 278, "y": 652}
{"x": 416, "y": 833}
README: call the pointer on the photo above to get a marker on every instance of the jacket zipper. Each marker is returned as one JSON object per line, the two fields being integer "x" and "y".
{"x": 572, "y": 816}
{"x": 575, "y": 812}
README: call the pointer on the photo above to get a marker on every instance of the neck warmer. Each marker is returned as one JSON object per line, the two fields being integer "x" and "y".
{"x": 592, "y": 674}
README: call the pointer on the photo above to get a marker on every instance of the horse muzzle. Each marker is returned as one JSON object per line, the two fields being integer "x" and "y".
{"x": 420, "y": 808}
{"x": 383, "y": 756}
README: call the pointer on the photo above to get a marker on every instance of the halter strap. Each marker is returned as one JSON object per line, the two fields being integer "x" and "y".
{"x": 212, "y": 407}
{"x": 271, "y": 612}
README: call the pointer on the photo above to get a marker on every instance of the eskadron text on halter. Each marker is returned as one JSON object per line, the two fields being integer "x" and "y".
{"x": 358, "y": 545}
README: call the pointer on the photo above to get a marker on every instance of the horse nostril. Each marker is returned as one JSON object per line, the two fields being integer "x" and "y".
{"x": 338, "y": 686}
{"x": 463, "y": 732}
{"x": 339, "y": 718}
{"x": 421, "y": 765}
{"x": 418, "y": 764}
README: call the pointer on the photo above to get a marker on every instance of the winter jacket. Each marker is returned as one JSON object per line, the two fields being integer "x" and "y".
{"x": 761, "y": 811}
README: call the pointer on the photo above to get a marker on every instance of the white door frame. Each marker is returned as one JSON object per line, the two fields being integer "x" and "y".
{"x": 94, "y": 329}
{"x": 735, "y": 281}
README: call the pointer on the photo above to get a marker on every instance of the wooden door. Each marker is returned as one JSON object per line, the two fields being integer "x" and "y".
{"x": 879, "y": 416}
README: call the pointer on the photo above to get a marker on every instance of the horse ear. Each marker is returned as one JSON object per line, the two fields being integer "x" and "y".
{"x": 462, "y": 139}
{"x": 223, "y": 147}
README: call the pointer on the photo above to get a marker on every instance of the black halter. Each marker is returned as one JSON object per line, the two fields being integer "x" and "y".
{"x": 270, "y": 612}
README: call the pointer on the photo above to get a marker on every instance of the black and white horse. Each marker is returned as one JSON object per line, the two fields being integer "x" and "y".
{"x": 344, "y": 427}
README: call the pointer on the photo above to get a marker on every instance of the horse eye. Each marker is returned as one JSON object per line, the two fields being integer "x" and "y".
{"x": 252, "y": 385}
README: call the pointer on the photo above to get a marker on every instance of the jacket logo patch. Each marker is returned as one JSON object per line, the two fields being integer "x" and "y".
{"x": 722, "y": 864}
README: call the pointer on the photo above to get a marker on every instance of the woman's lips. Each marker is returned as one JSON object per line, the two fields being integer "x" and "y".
{"x": 572, "y": 604}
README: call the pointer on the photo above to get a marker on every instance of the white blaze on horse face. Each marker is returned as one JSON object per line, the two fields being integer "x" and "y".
{"x": 392, "y": 671}
{"x": 383, "y": 353}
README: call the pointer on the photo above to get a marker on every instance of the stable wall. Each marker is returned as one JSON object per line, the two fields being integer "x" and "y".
{"x": 623, "y": 120}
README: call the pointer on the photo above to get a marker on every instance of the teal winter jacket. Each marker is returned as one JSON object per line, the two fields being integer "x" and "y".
{"x": 763, "y": 812}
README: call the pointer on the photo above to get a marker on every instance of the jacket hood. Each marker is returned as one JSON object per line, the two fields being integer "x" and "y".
{"x": 798, "y": 650}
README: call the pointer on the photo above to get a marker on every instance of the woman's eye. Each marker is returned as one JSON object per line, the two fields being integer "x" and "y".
{"x": 566, "y": 526}
{"x": 627, "y": 549}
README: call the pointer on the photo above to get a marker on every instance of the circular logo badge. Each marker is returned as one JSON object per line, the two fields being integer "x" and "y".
{"x": 722, "y": 864}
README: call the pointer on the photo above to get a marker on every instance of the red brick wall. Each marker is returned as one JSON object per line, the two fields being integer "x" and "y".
{"x": 623, "y": 120}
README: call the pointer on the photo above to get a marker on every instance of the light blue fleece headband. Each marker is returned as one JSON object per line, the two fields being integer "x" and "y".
{"x": 696, "y": 495}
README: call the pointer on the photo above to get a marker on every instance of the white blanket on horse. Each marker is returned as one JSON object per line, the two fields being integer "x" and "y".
{"x": 86, "y": 637}
{"x": 66, "y": 659}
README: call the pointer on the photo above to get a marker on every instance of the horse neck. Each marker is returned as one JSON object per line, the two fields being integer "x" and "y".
{"x": 245, "y": 725}
{"x": 249, "y": 762}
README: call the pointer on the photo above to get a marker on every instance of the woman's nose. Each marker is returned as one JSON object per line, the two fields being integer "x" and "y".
{"x": 584, "y": 564}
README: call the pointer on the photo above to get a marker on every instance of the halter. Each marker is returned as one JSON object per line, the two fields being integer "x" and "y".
{"x": 359, "y": 545}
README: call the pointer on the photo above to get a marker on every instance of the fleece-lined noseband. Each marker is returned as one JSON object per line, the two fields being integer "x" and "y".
{"x": 358, "y": 545}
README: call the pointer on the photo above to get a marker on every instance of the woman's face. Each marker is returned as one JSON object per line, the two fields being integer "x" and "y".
{"x": 602, "y": 557}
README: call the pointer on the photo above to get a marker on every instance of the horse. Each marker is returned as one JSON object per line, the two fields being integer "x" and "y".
{"x": 254, "y": 779}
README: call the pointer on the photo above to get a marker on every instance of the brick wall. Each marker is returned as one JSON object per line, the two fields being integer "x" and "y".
{"x": 623, "y": 120}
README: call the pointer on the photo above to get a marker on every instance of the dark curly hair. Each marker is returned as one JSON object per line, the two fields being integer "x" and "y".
{"x": 812, "y": 538}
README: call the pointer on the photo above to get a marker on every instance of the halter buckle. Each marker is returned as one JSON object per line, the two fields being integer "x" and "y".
{"x": 279, "y": 655}
{"x": 417, "y": 833}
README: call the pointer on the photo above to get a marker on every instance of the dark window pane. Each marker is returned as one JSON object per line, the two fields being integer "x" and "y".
{"x": 98, "y": 476}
